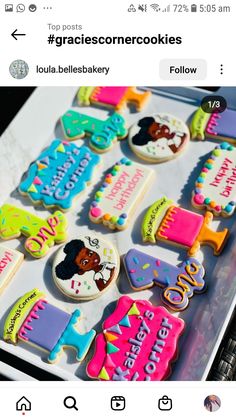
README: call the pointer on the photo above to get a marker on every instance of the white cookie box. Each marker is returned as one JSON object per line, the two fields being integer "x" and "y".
{"x": 207, "y": 316}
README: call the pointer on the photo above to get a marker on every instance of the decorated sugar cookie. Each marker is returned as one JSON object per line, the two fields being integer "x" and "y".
{"x": 159, "y": 137}
{"x": 215, "y": 188}
{"x": 35, "y": 321}
{"x": 138, "y": 343}
{"x": 84, "y": 268}
{"x": 59, "y": 175}
{"x": 103, "y": 134}
{"x": 10, "y": 261}
{"x": 41, "y": 234}
{"x": 114, "y": 97}
{"x": 218, "y": 126}
{"x": 122, "y": 189}
{"x": 178, "y": 283}
{"x": 167, "y": 222}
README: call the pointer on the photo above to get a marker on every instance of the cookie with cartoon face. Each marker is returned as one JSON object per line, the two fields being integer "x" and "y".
{"x": 86, "y": 267}
{"x": 159, "y": 137}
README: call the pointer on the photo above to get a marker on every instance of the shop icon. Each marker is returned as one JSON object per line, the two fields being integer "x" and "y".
{"x": 165, "y": 403}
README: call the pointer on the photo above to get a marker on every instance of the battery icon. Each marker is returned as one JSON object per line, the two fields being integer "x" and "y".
{"x": 193, "y": 8}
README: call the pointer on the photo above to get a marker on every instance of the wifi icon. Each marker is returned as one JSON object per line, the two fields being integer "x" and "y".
{"x": 155, "y": 7}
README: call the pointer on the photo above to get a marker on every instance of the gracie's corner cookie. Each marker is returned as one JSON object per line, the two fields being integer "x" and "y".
{"x": 10, "y": 261}
{"x": 215, "y": 187}
{"x": 41, "y": 234}
{"x": 84, "y": 268}
{"x": 118, "y": 97}
{"x": 167, "y": 222}
{"x": 158, "y": 137}
{"x": 122, "y": 190}
{"x": 59, "y": 175}
{"x": 35, "y": 321}
{"x": 138, "y": 343}
{"x": 218, "y": 126}
{"x": 179, "y": 283}
{"x": 103, "y": 134}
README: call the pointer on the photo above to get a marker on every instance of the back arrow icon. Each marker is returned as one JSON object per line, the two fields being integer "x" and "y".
{"x": 15, "y": 34}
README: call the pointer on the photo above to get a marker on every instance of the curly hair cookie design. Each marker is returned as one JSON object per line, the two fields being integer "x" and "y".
{"x": 159, "y": 137}
{"x": 86, "y": 267}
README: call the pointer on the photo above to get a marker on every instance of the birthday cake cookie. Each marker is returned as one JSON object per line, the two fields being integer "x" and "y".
{"x": 84, "y": 268}
{"x": 138, "y": 343}
{"x": 158, "y": 137}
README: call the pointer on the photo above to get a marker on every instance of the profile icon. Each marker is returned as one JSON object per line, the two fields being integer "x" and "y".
{"x": 212, "y": 403}
{"x": 19, "y": 69}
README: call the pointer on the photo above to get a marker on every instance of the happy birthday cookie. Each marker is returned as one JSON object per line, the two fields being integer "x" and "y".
{"x": 117, "y": 97}
{"x": 84, "y": 268}
{"x": 103, "y": 134}
{"x": 159, "y": 137}
{"x": 138, "y": 343}
{"x": 120, "y": 193}
{"x": 59, "y": 175}
{"x": 216, "y": 126}
{"x": 38, "y": 323}
{"x": 41, "y": 234}
{"x": 10, "y": 261}
{"x": 215, "y": 187}
{"x": 169, "y": 223}
{"x": 178, "y": 283}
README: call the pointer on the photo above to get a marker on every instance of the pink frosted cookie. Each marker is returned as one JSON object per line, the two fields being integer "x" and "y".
{"x": 167, "y": 222}
{"x": 215, "y": 187}
{"x": 114, "y": 97}
{"x": 138, "y": 343}
{"x": 121, "y": 191}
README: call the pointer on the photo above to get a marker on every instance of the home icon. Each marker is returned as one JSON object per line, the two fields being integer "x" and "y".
{"x": 23, "y": 404}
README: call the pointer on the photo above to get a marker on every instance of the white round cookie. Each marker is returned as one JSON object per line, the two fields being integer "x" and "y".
{"x": 160, "y": 137}
{"x": 84, "y": 268}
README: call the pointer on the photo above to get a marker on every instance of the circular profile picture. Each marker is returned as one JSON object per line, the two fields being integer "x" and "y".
{"x": 212, "y": 403}
{"x": 19, "y": 69}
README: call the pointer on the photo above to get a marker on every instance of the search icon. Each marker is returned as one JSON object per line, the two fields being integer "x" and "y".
{"x": 70, "y": 402}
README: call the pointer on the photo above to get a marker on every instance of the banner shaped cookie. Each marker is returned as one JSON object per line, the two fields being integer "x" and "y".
{"x": 159, "y": 137}
{"x": 114, "y": 97}
{"x": 218, "y": 126}
{"x": 215, "y": 188}
{"x": 59, "y": 175}
{"x": 178, "y": 283}
{"x": 167, "y": 222}
{"x": 138, "y": 343}
{"x": 10, "y": 261}
{"x": 120, "y": 194}
{"x": 39, "y": 323}
{"x": 84, "y": 268}
{"x": 42, "y": 234}
{"x": 103, "y": 134}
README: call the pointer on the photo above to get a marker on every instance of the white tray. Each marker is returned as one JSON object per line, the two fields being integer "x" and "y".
{"x": 206, "y": 318}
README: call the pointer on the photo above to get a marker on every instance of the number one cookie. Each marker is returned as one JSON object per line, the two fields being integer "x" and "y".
{"x": 39, "y": 323}
{"x": 41, "y": 234}
{"x": 178, "y": 283}
{"x": 168, "y": 222}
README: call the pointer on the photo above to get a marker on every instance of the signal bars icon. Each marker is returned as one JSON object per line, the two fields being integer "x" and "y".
{"x": 167, "y": 9}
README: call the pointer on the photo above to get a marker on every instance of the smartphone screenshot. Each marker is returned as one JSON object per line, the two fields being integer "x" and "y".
{"x": 117, "y": 209}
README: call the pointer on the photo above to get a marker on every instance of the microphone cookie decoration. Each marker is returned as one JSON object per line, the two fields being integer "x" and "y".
{"x": 158, "y": 137}
{"x": 10, "y": 261}
{"x": 113, "y": 97}
{"x": 216, "y": 126}
{"x": 103, "y": 134}
{"x": 167, "y": 222}
{"x": 178, "y": 283}
{"x": 41, "y": 234}
{"x": 117, "y": 198}
{"x": 215, "y": 187}
{"x": 84, "y": 268}
{"x": 35, "y": 321}
{"x": 138, "y": 343}
{"x": 59, "y": 175}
